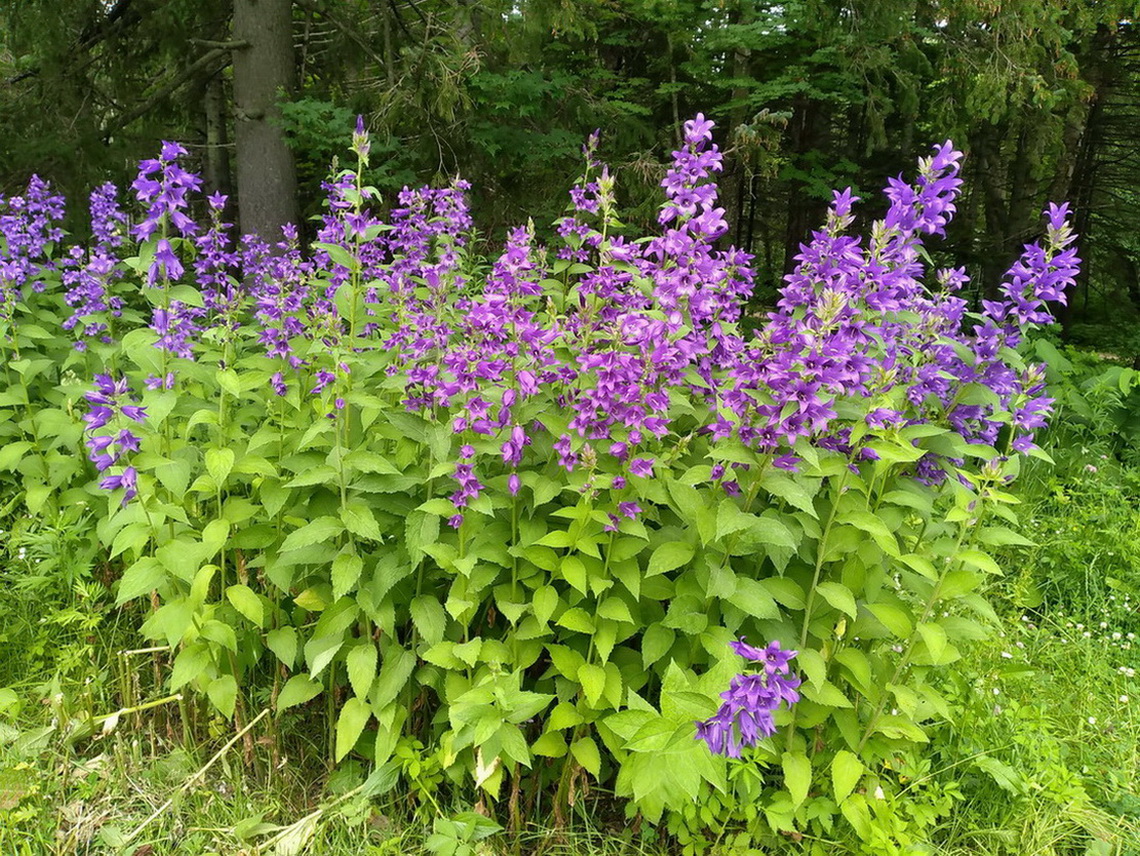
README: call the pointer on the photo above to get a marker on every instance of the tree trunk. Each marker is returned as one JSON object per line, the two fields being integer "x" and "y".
{"x": 217, "y": 160}
{"x": 266, "y": 177}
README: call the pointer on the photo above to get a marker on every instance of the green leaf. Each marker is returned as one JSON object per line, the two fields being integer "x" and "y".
{"x": 797, "y": 775}
{"x": 370, "y": 462}
{"x": 839, "y": 596}
{"x": 935, "y": 638}
{"x": 752, "y": 597}
{"x": 874, "y": 526}
{"x": 655, "y": 643}
{"x": 349, "y": 725}
{"x": 222, "y": 692}
{"x": 545, "y": 602}
{"x": 593, "y": 681}
{"x": 141, "y": 578}
{"x": 1001, "y": 536}
{"x": 564, "y": 716}
{"x": 191, "y": 662}
{"x": 785, "y": 591}
{"x": 317, "y": 532}
{"x": 346, "y": 569}
{"x": 669, "y": 556}
{"x": 585, "y": 752}
{"x": 228, "y": 380}
{"x": 12, "y": 453}
{"x": 615, "y": 609}
{"x": 319, "y": 652}
{"x": 394, "y": 673}
{"x": 247, "y": 603}
{"x": 894, "y": 618}
{"x": 574, "y": 572}
{"x": 846, "y": 770}
{"x": 566, "y": 660}
{"x": 978, "y": 559}
{"x": 360, "y": 520}
{"x": 577, "y": 619}
{"x": 283, "y": 643}
{"x": 219, "y": 464}
{"x": 361, "y": 666}
{"x": 420, "y": 531}
{"x": 429, "y": 618}
{"x": 549, "y": 745}
{"x": 297, "y": 690}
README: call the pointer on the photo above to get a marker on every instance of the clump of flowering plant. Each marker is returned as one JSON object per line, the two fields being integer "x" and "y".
{"x": 517, "y": 510}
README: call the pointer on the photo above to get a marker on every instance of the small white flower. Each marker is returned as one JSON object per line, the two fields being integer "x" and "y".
{"x": 1087, "y": 635}
{"x": 997, "y": 709}
{"x": 879, "y": 792}
{"x": 1019, "y": 644}
{"x": 996, "y": 691}
{"x": 1104, "y": 625}
{"x": 1124, "y": 699}
{"x": 1116, "y": 635}
{"x": 1092, "y": 720}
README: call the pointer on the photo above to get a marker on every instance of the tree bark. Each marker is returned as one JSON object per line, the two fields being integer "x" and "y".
{"x": 266, "y": 175}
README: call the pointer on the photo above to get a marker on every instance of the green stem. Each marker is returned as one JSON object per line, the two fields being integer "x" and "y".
{"x": 821, "y": 554}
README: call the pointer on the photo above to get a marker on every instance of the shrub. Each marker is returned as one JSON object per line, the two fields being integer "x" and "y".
{"x": 519, "y": 516}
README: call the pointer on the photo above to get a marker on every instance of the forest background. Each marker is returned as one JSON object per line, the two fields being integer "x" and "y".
{"x": 808, "y": 96}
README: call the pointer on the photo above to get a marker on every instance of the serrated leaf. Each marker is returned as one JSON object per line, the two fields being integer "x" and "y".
{"x": 222, "y": 692}
{"x": 549, "y": 745}
{"x": 397, "y": 667}
{"x": 894, "y": 618}
{"x": 839, "y": 596}
{"x": 978, "y": 559}
{"x": 429, "y": 618}
{"x": 564, "y": 715}
{"x": 752, "y": 597}
{"x": 361, "y": 666}
{"x": 593, "y": 681}
{"x": 360, "y": 521}
{"x": 846, "y": 771}
{"x": 297, "y": 690}
{"x": 316, "y": 532}
{"x": 346, "y": 570}
{"x": 934, "y": 637}
{"x": 577, "y": 619}
{"x": 219, "y": 464}
{"x": 247, "y": 603}
{"x": 655, "y": 643}
{"x": 141, "y": 578}
{"x": 545, "y": 602}
{"x": 797, "y": 775}
{"x": 615, "y": 609}
{"x": 319, "y": 652}
{"x": 585, "y": 752}
{"x": 669, "y": 556}
{"x": 283, "y": 643}
{"x": 574, "y": 572}
{"x": 350, "y": 724}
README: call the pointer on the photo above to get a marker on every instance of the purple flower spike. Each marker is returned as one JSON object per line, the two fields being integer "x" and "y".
{"x": 745, "y": 717}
